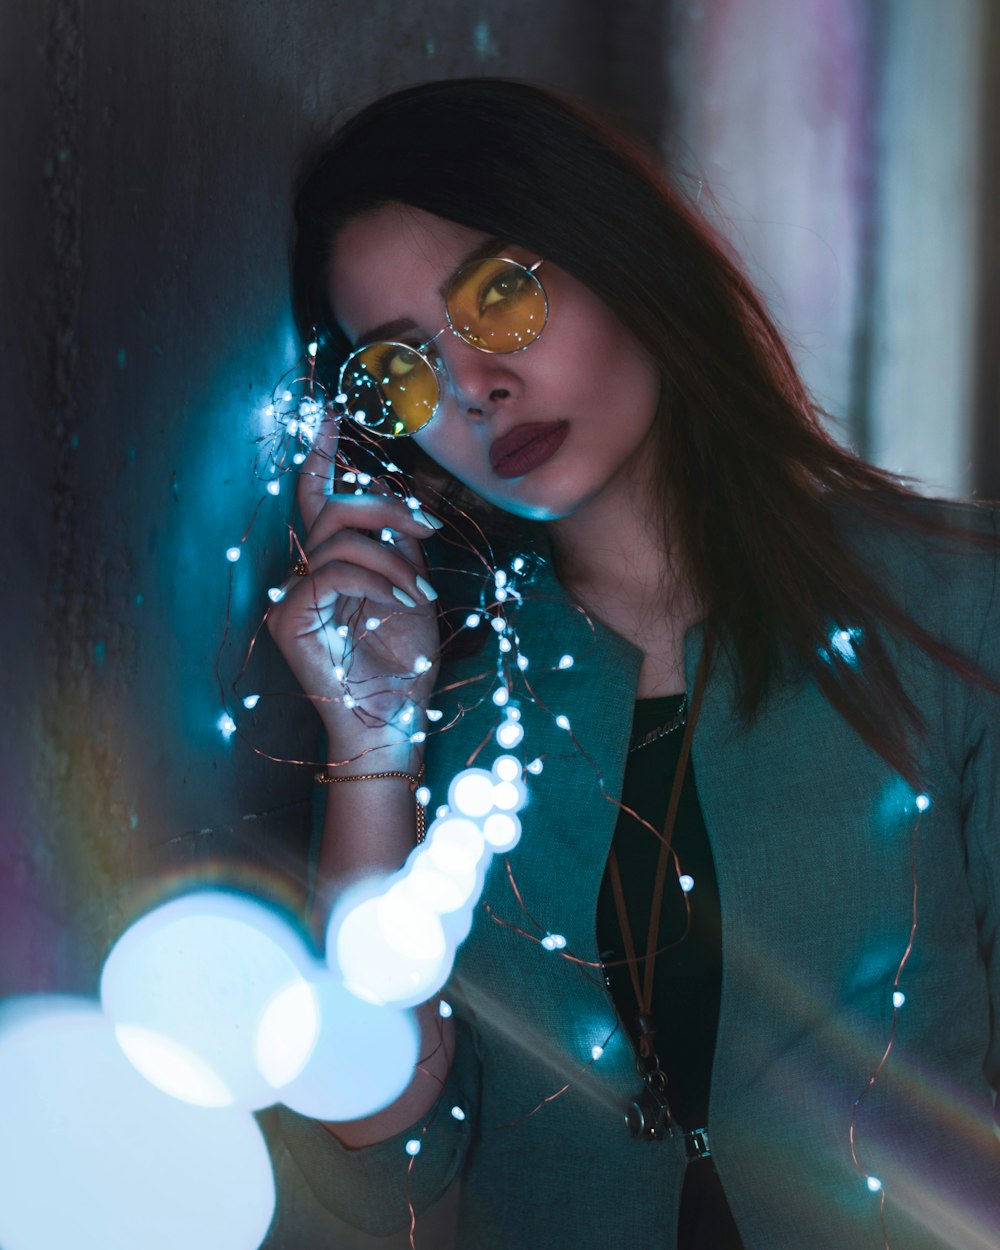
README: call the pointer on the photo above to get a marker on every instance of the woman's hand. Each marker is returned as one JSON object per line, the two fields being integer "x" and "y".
{"x": 369, "y": 685}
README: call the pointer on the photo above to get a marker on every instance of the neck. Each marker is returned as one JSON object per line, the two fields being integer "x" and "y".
{"x": 613, "y": 556}
{"x": 616, "y": 548}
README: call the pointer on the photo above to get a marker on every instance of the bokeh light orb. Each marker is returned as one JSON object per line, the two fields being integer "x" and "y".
{"x": 94, "y": 1157}
{"x": 389, "y": 948}
{"x": 188, "y": 987}
{"x": 363, "y": 1059}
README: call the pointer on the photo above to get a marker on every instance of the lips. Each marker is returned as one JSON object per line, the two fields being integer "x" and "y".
{"x": 526, "y": 446}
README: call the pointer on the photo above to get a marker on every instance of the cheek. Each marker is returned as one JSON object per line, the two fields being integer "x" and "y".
{"x": 447, "y": 445}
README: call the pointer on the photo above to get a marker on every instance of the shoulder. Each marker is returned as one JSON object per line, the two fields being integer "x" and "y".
{"x": 938, "y": 559}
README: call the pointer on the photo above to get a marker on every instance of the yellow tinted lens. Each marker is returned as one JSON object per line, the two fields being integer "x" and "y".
{"x": 389, "y": 388}
{"x": 497, "y": 305}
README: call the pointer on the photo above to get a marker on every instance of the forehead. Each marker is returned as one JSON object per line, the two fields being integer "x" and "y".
{"x": 390, "y": 263}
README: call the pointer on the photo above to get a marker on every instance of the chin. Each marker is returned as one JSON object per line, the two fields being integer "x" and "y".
{"x": 549, "y": 510}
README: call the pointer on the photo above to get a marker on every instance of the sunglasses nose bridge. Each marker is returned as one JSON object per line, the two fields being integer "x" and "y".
{"x": 474, "y": 379}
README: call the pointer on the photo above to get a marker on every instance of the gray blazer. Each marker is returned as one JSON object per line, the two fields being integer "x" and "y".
{"x": 822, "y": 867}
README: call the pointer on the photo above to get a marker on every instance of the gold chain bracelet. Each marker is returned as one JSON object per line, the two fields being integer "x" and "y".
{"x": 324, "y": 779}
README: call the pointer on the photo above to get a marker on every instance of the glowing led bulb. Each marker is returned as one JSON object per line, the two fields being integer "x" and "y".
{"x": 251, "y": 701}
{"x": 507, "y": 768}
{"x": 275, "y": 594}
{"x": 386, "y": 536}
{"x": 413, "y": 504}
{"x": 434, "y": 713}
{"x": 509, "y": 734}
{"x": 501, "y": 696}
{"x": 517, "y": 564}
{"x": 340, "y": 399}
{"x": 299, "y": 458}
{"x": 898, "y": 998}
{"x": 364, "y": 479}
{"x": 506, "y": 796}
{"x": 349, "y": 701}
{"x": 471, "y": 792}
{"x": 226, "y": 724}
{"x": 500, "y": 577}
{"x": 444, "y": 1009}
{"x": 419, "y": 736}
{"x": 274, "y": 488}
{"x": 873, "y": 1183}
{"x": 566, "y": 661}
{"x": 472, "y": 620}
{"x": 499, "y": 624}
{"x": 233, "y": 554}
{"x": 535, "y": 767}
{"x": 522, "y": 662}
{"x": 562, "y": 722}
{"x": 502, "y": 831}
{"x": 505, "y": 645}
{"x": 422, "y": 795}
{"x": 422, "y": 664}
{"x": 312, "y": 349}
{"x": 596, "y": 1052}
{"x": 686, "y": 883}
{"x": 350, "y": 477}
{"x": 458, "y": 1113}
{"x": 923, "y": 802}
{"x": 343, "y": 630}
{"x": 553, "y": 941}
{"x": 373, "y": 622}
{"x": 413, "y": 1147}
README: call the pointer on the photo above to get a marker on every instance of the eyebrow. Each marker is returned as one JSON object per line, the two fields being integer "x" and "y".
{"x": 389, "y": 330}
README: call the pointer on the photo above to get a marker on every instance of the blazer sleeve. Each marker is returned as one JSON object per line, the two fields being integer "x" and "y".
{"x": 981, "y": 811}
{"x": 374, "y": 1187}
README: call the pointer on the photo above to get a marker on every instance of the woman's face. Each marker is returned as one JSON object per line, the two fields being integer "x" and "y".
{"x": 539, "y": 432}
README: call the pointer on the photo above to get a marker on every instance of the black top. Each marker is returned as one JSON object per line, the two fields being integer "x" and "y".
{"x": 688, "y": 981}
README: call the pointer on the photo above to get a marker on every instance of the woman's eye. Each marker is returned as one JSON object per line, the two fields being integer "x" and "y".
{"x": 503, "y": 287}
{"x": 396, "y": 362}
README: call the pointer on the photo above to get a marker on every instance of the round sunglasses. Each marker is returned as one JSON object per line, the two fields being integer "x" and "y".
{"x": 495, "y": 305}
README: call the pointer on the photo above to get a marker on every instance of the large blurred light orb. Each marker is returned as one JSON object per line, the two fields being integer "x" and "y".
{"x": 93, "y": 1157}
{"x": 188, "y": 987}
{"x": 471, "y": 792}
{"x": 389, "y": 948}
{"x": 363, "y": 1059}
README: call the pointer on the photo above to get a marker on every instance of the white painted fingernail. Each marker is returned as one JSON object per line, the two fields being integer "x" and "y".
{"x": 404, "y": 598}
{"x": 426, "y": 589}
{"x": 431, "y": 522}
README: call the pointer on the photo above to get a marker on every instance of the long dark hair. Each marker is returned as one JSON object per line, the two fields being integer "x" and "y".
{"x": 753, "y": 480}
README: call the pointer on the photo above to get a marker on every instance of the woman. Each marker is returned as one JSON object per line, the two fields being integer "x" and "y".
{"x": 759, "y": 674}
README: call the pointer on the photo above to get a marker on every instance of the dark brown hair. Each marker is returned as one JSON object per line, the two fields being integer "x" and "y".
{"x": 754, "y": 481}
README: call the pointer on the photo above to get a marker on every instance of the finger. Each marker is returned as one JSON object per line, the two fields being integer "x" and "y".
{"x": 377, "y": 513}
{"x": 325, "y": 587}
{"x": 408, "y": 584}
{"x": 316, "y": 478}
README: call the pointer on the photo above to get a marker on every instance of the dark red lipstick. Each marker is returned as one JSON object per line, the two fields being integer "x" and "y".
{"x": 526, "y": 446}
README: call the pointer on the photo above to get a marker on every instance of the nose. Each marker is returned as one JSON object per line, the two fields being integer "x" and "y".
{"x": 478, "y": 382}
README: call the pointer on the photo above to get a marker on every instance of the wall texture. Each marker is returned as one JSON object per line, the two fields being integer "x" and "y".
{"x": 143, "y": 274}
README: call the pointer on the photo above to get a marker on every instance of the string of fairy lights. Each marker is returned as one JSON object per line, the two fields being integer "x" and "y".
{"x": 216, "y": 1000}
{"x": 480, "y": 817}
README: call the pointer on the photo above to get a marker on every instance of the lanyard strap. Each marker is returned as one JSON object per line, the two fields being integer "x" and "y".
{"x": 644, "y": 993}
